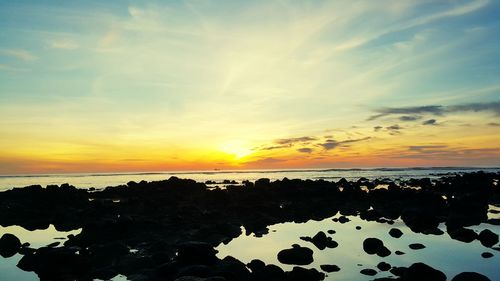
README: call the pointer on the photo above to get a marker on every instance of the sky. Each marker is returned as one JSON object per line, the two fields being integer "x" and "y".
{"x": 116, "y": 86}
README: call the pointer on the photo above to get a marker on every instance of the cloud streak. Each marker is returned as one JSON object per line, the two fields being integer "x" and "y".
{"x": 438, "y": 110}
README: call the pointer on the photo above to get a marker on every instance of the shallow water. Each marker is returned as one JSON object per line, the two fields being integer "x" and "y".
{"x": 441, "y": 252}
{"x": 107, "y": 179}
{"x": 37, "y": 239}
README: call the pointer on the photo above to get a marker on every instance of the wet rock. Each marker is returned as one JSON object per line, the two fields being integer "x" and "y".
{"x": 399, "y": 253}
{"x": 488, "y": 238}
{"x": 395, "y": 232}
{"x": 9, "y": 245}
{"x": 331, "y": 231}
{"x": 195, "y": 252}
{"x": 398, "y": 271}
{"x": 420, "y": 221}
{"x": 256, "y": 265}
{"x": 383, "y": 266}
{"x": 487, "y": 255}
{"x": 375, "y": 246}
{"x": 231, "y": 269}
{"x": 321, "y": 241}
{"x": 269, "y": 272}
{"x": 372, "y": 245}
{"x": 368, "y": 271}
{"x": 463, "y": 234}
{"x": 470, "y": 276}
{"x": 416, "y": 246}
{"x": 55, "y": 263}
{"x": 329, "y": 268}
{"x": 421, "y": 271}
{"x": 303, "y": 274}
{"x": 260, "y": 183}
{"x": 344, "y": 219}
{"x": 358, "y": 227}
{"x": 296, "y": 255}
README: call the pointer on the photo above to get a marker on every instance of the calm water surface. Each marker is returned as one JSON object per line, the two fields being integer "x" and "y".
{"x": 103, "y": 180}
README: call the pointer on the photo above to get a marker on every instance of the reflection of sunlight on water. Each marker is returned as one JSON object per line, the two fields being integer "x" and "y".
{"x": 441, "y": 252}
{"x": 37, "y": 239}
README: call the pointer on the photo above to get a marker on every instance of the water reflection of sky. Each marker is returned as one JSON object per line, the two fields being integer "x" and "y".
{"x": 441, "y": 252}
{"x": 37, "y": 239}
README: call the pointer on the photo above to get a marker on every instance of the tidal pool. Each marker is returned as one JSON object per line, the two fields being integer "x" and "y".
{"x": 441, "y": 252}
{"x": 36, "y": 238}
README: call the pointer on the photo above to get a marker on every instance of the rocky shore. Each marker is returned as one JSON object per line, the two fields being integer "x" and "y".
{"x": 173, "y": 226}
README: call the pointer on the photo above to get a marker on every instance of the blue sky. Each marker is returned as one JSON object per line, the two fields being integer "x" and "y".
{"x": 83, "y": 82}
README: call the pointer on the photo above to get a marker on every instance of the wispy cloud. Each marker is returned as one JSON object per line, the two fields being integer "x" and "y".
{"x": 305, "y": 150}
{"x": 331, "y": 144}
{"x": 295, "y": 140}
{"x": 438, "y": 109}
{"x": 430, "y": 122}
{"x": 18, "y": 54}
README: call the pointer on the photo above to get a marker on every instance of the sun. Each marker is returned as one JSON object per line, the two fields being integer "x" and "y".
{"x": 238, "y": 149}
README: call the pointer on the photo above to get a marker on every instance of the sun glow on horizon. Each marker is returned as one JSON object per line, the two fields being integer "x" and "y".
{"x": 237, "y": 149}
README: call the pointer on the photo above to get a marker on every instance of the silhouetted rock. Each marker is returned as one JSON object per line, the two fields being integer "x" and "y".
{"x": 488, "y": 238}
{"x": 463, "y": 234}
{"x": 194, "y": 252}
{"x": 487, "y": 255}
{"x": 395, "y": 232}
{"x": 9, "y": 245}
{"x": 321, "y": 241}
{"x": 383, "y": 266}
{"x": 399, "y": 253}
{"x": 329, "y": 268}
{"x": 416, "y": 246}
{"x": 470, "y": 276}
{"x": 296, "y": 255}
{"x": 421, "y": 271}
{"x": 303, "y": 274}
{"x": 368, "y": 271}
{"x": 374, "y": 246}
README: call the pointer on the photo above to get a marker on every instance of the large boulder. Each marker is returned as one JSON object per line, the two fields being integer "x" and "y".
{"x": 488, "y": 238}
{"x": 9, "y": 245}
{"x": 296, "y": 255}
{"x": 303, "y": 274}
{"x": 470, "y": 276}
{"x": 420, "y": 271}
{"x": 374, "y": 246}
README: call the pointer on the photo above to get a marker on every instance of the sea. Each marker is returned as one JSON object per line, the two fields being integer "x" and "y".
{"x": 441, "y": 252}
{"x": 102, "y": 180}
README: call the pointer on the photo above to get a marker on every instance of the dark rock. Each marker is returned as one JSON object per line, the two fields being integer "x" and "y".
{"x": 9, "y": 245}
{"x": 487, "y": 255}
{"x": 358, "y": 227}
{"x": 194, "y": 252}
{"x": 303, "y": 274}
{"x": 296, "y": 255}
{"x": 329, "y": 268}
{"x": 420, "y": 271}
{"x": 416, "y": 246}
{"x": 368, "y": 271}
{"x": 260, "y": 183}
{"x": 488, "y": 238}
{"x": 232, "y": 269}
{"x": 399, "y": 253}
{"x": 372, "y": 245}
{"x": 343, "y": 219}
{"x": 398, "y": 271}
{"x": 470, "y": 276}
{"x": 463, "y": 234}
{"x": 395, "y": 232}
{"x": 256, "y": 265}
{"x": 375, "y": 246}
{"x": 321, "y": 241}
{"x": 195, "y": 270}
{"x": 383, "y": 266}
{"x": 331, "y": 231}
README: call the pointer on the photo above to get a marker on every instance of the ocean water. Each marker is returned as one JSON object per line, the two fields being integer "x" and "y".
{"x": 101, "y": 180}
